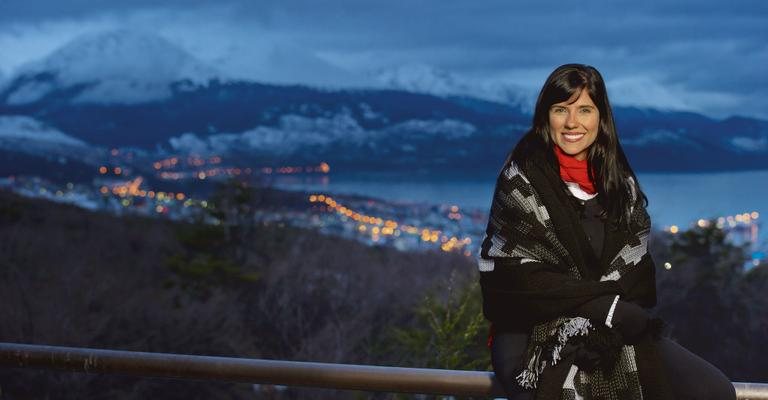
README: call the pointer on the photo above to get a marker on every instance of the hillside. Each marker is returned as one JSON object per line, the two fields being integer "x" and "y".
{"x": 75, "y": 278}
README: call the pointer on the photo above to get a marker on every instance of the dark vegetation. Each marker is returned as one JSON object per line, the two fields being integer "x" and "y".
{"x": 713, "y": 307}
{"x": 76, "y": 278}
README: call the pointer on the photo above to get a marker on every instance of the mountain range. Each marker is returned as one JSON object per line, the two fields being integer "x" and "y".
{"x": 132, "y": 90}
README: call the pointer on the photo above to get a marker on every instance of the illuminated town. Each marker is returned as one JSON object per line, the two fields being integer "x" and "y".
{"x": 130, "y": 184}
{"x": 405, "y": 228}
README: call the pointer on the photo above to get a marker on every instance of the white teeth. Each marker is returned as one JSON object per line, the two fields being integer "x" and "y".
{"x": 573, "y": 137}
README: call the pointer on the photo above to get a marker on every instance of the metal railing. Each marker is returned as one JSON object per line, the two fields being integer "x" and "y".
{"x": 290, "y": 373}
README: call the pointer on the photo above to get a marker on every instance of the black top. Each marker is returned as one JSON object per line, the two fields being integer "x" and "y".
{"x": 590, "y": 212}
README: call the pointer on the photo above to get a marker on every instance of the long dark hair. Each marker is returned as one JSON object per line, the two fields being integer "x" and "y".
{"x": 605, "y": 156}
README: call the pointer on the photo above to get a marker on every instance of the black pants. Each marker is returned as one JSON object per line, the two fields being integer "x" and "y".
{"x": 691, "y": 376}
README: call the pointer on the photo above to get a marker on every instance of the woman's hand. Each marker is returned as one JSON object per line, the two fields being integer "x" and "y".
{"x": 600, "y": 349}
{"x": 630, "y": 320}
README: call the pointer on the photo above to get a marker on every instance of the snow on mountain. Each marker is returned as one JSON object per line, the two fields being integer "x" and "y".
{"x": 296, "y": 133}
{"x": 657, "y": 136}
{"x": 120, "y": 66}
{"x": 421, "y": 78}
{"x": 749, "y": 144}
{"x": 19, "y": 128}
{"x": 25, "y": 135}
{"x": 293, "y": 133}
{"x": 442, "y": 129}
{"x": 30, "y": 92}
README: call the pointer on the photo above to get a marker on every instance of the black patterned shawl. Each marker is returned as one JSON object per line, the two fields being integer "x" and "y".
{"x": 534, "y": 274}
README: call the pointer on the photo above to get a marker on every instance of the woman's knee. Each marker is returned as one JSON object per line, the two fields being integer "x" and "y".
{"x": 506, "y": 356}
{"x": 718, "y": 390}
{"x": 506, "y": 369}
{"x": 692, "y": 377}
{"x": 714, "y": 386}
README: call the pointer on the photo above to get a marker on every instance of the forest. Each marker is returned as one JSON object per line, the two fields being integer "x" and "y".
{"x": 72, "y": 277}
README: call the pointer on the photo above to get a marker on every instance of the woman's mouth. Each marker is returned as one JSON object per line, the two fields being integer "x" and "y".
{"x": 572, "y": 136}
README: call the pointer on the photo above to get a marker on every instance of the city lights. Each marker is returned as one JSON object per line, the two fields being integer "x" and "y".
{"x": 377, "y": 228}
{"x": 201, "y": 168}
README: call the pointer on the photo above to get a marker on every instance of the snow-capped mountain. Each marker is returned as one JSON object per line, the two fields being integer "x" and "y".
{"x": 27, "y": 135}
{"x": 126, "y": 89}
{"x": 422, "y": 78}
{"x": 291, "y": 134}
{"x": 118, "y": 67}
{"x": 26, "y": 129}
{"x": 30, "y": 147}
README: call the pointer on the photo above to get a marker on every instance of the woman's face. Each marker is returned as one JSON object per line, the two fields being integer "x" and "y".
{"x": 574, "y": 124}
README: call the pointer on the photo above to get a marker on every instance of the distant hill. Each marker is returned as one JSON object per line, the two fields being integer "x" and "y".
{"x": 127, "y": 90}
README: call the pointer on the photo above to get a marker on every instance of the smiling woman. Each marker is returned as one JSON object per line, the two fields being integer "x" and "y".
{"x": 567, "y": 279}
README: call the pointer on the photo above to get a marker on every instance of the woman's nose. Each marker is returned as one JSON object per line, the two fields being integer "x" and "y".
{"x": 571, "y": 121}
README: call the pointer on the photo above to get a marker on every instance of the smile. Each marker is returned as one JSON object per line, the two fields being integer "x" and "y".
{"x": 573, "y": 137}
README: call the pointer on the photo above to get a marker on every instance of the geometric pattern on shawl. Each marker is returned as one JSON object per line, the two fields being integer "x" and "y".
{"x": 517, "y": 200}
{"x": 581, "y": 385}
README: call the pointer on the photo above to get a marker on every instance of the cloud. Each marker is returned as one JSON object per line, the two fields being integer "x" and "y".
{"x": 240, "y": 51}
{"x": 21, "y": 43}
{"x": 697, "y": 55}
{"x": 646, "y": 92}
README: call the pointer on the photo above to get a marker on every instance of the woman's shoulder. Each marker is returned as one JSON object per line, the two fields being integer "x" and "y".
{"x": 520, "y": 168}
{"x": 512, "y": 170}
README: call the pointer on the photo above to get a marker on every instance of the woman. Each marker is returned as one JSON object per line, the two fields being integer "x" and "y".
{"x": 565, "y": 270}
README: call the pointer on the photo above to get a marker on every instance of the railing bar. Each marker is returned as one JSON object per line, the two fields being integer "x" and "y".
{"x": 289, "y": 373}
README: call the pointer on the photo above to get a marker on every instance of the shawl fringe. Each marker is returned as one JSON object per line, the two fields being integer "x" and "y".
{"x": 571, "y": 327}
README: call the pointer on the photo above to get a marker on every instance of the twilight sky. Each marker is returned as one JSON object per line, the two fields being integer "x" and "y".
{"x": 705, "y": 56}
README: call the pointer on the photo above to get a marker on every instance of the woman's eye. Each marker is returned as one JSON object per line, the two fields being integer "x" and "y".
{"x": 585, "y": 110}
{"x": 558, "y": 110}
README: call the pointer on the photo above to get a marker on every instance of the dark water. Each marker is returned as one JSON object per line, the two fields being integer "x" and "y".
{"x": 674, "y": 199}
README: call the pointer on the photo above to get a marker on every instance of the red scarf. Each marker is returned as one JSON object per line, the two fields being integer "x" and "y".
{"x": 573, "y": 170}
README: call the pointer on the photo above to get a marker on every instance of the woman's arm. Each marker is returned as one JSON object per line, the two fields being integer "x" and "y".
{"x": 533, "y": 292}
{"x": 521, "y": 279}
